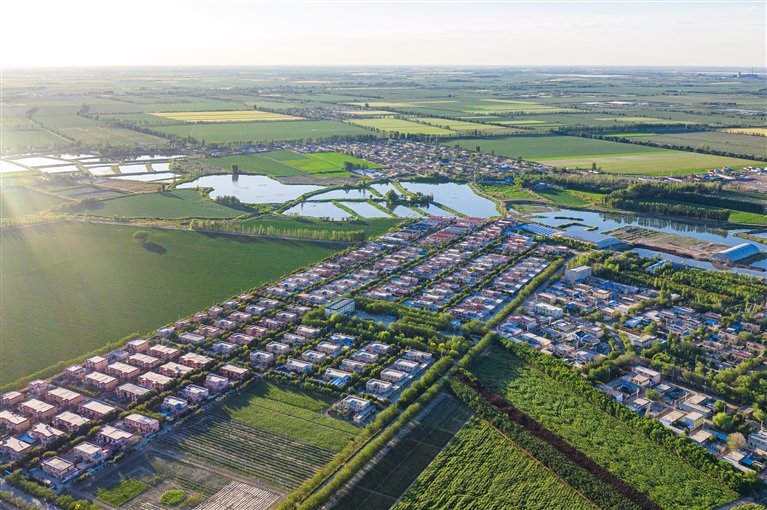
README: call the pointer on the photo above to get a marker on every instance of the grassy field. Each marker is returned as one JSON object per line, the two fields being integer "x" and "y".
{"x": 286, "y": 163}
{"x": 747, "y": 217}
{"x": 323, "y": 163}
{"x": 716, "y": 140}
{"x": 226, "y": 116}
{"x": 482, "y": 469}
{"x": 290, "y": 412}
{"x": 459, "y": 125}
{"x": 167, "y": 204}
{"x": 20, "y": 201}
{"x": 641, "y": 120}
{"x": 659, "y": 163}
{"x": 506, "y": 105}
{"x": 32, "y": 137}
{"x": 507, "y": 192}
{"x": 255, "y": 164}
{"x": 563, "y": 197}
{"x": 402, "y": 126}
{"x": 380, "y": 487}
{"x": 104, "y": 286}
{"x": 664, "y": 477}
{"x": 122, "y": 492}
{"x": 540, "y": 147}
{"x": 265, "y": 131}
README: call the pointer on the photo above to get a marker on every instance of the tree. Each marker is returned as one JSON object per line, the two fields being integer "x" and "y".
{"x": 391, "y": 196}
{"x": 652, "y": 394}
{"x": 736, "y": 441}
{"x": 235, "y": 169}
{"x": 141, "y": 236}
{"x": 720, "y": 406}
{"x": 722, "y": 421}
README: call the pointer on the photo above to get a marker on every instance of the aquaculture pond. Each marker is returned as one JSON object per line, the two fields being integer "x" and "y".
{"x": 459, "y": 197}
{"x": 251, "y": 189}
{"x": 318, "y": 210}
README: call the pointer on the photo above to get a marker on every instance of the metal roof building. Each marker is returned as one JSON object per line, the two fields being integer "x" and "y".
{"x": 737, "y": 253}
{"x": 601, "y": 241}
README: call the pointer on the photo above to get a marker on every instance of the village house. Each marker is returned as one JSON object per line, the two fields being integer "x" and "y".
{"x": 70, "y": 422}
{"x": 137, "y": 345}
{"x": 101, "y": 381}
{"x": 328, "y": 348}
{"x": 45, "y": 433}
{"x": 37, "y": 409}
{"x": 210, "y": 331}
{"x": 174, "y": 369}
{"x": 378, "y": 348}
{"x": 63, "y": 397}
{"x": 215, "y": 312}
{"x": 262, "y": 358}
{"x": 95, "y": 409}
{"x": 257, "y": 331}
{"x": 191, "y": 338}
{"x": 37, "y": 387}
{"x": 294, "y": 365}
{"x": 154, "y": 380}
{"x": 293, "y": 339}
{"x": 406, "y": 365}
{"x": 164, "y": 352}
{"x": 354, "y": 403}
{"x": 108, "y": 434}
{"x": 166, "y": 332}
{"x": 96, "y": 364}
{"x": 14, "y": 423}
{"x": 225, "y": 324}
{"x": 314, "y": 357}
{"x": 364, "y": 357}
{"x": 131, "y": 391}
{"x": 240, "y": 339}
{"x": 11, "y": 398}
{"x": 216, "y": 383}
{"x": 378, "y": 387}
{"x": 58, "y": 468}
{"x": 14, "y": 448}
{"x": 390, "y": 375}
{"x": 174, "y": 405}
{"x": 240, "y": 317}
{"x": 142, "y": 424}
{"x": 75, "y": 372}
{"x": 233, "y": 372}
{"x": 89, "y": 453}
{"x": 223, "y": 348}
{"x": 143, "y": 361}
{"x": 307, "y": 332}
{"x": 195, "y": 393}
{"x": 278, "y": 348}
{"x": 194, "y": 360}
{"x": 414, "y": 355}
{"x": 123, "y": 371}
{"x": 349, "y": 365}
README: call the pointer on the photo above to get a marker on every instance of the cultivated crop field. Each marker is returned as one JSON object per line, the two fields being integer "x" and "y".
{"x": 226, "y": 116}
{"x": 537, "y": 148}
{"x": 166, "y": 204}
{"x": 758, "y": 131}
{"x": 664, "y": 477}
{"x": 459, "y": 125}
{"x": 290, "y": 412}
{"x": 482, "y": 469}
{"x": 286, "y": 163}
{"x": 277, "y": 435}
{"x": 373, "y": 227}
{"x": 264, "y": 131}
{"x": 121, "y": 492}
{"x": 390, "y": 477}
{"x": 659, "y": 163}
{"x": 104, "y": 286}
{"x": 101, "y": 135}
{"x": 401, "y": 126}
{"x": 506, "y": 105}
{"x": 716, "y": 140}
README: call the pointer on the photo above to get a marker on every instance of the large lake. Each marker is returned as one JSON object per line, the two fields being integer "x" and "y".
{"x": 251, "y": 189}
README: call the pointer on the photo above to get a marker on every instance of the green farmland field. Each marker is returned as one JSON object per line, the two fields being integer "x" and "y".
{"x": 291, "y": 412}
{"x": 507, "y": 192}
{"x": 716, "y": 140}
{"x": 264, "y": 131}
{"x": 104, "y": 286}
{"x": 664, "y": 477}
{"x": 459, "y": 125}
{"x": 659, "y": 163}
{"x": 285, "y": 163}
{"x": 167, "y": 204}
{"x": 482, "y": 469}
{"x": 33, "y": 137}
{"x": 256, "y": 164}
{"x": 373, "y": 227}
{"x": 20, "y": 201}
{"x": 540, "y": 147}
{"x": 563, "y": 197}
{"x": 122, "y": 492}
{"x": 401, "y": 126}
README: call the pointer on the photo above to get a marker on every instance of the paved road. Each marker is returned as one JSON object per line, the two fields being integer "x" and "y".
{"x": 17, "y": 493}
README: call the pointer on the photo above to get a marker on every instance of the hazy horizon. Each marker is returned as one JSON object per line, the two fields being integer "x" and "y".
{"x": 331, "y": 34}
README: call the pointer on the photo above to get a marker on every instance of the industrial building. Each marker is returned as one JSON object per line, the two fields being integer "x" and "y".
{"x": 736, "y": 253}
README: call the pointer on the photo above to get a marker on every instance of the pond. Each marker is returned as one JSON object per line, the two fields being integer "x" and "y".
{"x": 340, "y": 194}
{"x": 433, "y": 210}
{"x": 38, "y": 161}
{"x": 318, "y": 210}
{"x": 7, "y": 167}
{"x": 161, "y": 167}
{"x": 148, "y": 177}
{"x": 101, "y": 170}
{"x": 456, "y": 196}
{"x": 251, "y": 189}
{"x": 75, "y": 156}
{"x": 366, "y": 210}
{"x": 609, "y": 221}
{"x": 59, "y": 169}
{"x": 133, "y": 169}
{"x": 404, "y": 212}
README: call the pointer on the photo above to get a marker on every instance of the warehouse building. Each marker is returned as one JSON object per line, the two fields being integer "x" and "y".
{"x": 736, "y": 253}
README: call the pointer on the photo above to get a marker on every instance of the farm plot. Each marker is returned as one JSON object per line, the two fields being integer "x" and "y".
{"x": 380, "y": 487}
{"x": 102, "y": 135}
{"x": 459, "y": 125}
{"x": 166, "y": 204}
{"x": 659, "y": 163}
{"x": 227, "y": 116}
{"x": 18, "y": 201}
{"x": 264, "y": 131}
{"x": 536, "y": 148}
{"x": 401, "y": 126}
{"x": 84, "y": 270}
{"x": 290, "y": 412}
{"x": 757, "y": 131}
{"x": 505, "y": 105}
{"x": 141, "y": 480}
{"x": 241, "y": 496}
{"x": 272, "y": 458}
{"x": 481, "y": 469}
{"x": 664, "y": 477}
{"x": 720, "y": 141}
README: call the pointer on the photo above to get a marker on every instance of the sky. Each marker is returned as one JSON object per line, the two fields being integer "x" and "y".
{"x": 473, "y": 33}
